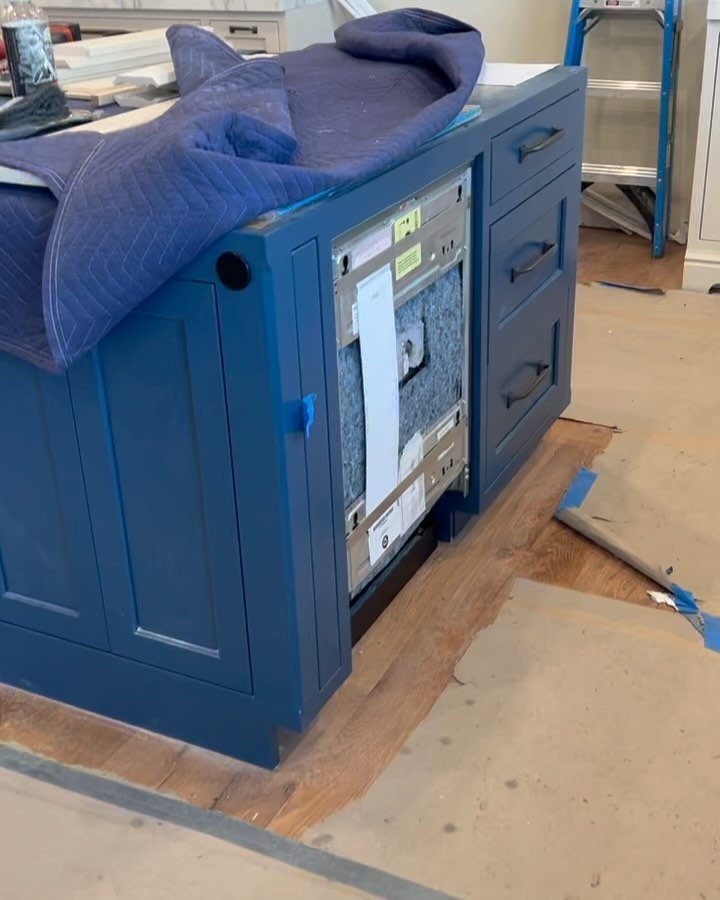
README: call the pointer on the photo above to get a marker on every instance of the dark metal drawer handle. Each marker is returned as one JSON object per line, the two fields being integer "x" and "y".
{"x": 542, "y": 369}
{"x": 547, "y": 251}
{"x": 555, "y": 135}
{"x": 243, "y": 29}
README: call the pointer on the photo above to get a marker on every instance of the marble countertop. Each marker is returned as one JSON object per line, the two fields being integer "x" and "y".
{"x": 258, "y": 6}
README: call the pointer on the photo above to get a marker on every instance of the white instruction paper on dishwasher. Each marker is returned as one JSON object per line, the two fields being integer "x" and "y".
{"x": 383, "y": 534}
{"x": 412, "y": 501}
{"x": 378, "y": 357}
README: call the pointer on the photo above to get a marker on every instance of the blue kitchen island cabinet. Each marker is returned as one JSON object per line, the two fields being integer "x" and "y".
{"x": 173, "y": 533}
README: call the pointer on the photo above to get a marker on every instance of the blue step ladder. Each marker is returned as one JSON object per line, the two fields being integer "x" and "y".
{"x": 649, "y": 189}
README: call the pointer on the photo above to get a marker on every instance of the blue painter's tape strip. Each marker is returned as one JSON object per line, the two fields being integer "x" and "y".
{"x": 685, "y": 600}
{"x": 466, "y": 115}
{"x": 578, "y": 490}
{"x": 712, "y": 632}
{"x": 707, "y": 625}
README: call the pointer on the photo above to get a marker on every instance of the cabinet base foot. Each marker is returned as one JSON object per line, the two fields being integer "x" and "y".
{"x": 183, "y": 708}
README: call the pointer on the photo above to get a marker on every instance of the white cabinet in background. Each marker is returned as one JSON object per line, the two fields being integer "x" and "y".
{"x": 249, "y": 26}
{"x": 710, "y": 220}
{"x": 702, "y": 261}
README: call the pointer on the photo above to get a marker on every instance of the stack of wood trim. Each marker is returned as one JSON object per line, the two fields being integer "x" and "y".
{"x": 101, "y": 68}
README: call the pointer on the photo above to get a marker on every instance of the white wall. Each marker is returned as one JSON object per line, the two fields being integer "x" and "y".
{"x": 514, "y": 30}
{"x": 536, "y": 31}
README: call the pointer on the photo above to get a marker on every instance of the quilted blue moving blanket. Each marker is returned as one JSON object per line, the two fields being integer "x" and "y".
{"x": 124, "y": 212}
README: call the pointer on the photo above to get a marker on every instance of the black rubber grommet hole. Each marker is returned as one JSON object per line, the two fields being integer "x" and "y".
{"x": 233, "y": 271}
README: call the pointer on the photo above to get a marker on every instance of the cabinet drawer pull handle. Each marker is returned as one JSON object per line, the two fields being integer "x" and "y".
{"x": 547, "y": 251}
{"x": 243, "y": 29}
{"x": 556, "y": 134}
{"x": 541, "y": 370}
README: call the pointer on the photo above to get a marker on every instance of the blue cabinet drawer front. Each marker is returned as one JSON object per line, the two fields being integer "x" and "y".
{"x": 152, "y": 420}
{"x": 48, "y": 575}
{"x": 528, "y": 375}
{"x": 526, "y": 149}
{"x": 527, "y": 247}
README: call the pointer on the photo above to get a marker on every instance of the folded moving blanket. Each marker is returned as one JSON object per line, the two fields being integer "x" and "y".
{"x": 124, "y": 212}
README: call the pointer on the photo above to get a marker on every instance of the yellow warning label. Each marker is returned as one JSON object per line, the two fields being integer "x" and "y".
{"x": 408, "y": 261}
{"x": 408, "y": 223}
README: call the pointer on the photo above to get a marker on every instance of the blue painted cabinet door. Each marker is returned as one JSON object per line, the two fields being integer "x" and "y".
{"x": 48, "y": 575}
{"x": 152, "y": 422}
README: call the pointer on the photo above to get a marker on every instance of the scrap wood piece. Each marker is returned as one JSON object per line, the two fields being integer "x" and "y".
{"x": 570, "y": 513}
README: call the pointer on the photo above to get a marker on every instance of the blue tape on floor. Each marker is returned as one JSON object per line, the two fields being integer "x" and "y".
{"x": 578, "y": 490}
{"x": 712, "y": 632}
{"x": 685, "y": 600}
{"x": 707, "y": 625}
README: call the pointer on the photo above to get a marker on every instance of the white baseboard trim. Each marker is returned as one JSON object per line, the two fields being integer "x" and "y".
{"x": 701, "y": 274}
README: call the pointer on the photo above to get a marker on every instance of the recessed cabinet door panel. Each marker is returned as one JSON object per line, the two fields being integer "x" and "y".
{"x": 48, "y": 574}
{"x": 152, "y": 416}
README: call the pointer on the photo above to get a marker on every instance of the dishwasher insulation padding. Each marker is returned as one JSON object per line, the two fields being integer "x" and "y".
{"x": 428, "y": 394}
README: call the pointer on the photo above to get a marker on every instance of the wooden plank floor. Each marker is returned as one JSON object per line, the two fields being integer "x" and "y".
{"x": 614, "y": 256}
{"x": 400, "y": 667}
{"x": 404, "y": 662}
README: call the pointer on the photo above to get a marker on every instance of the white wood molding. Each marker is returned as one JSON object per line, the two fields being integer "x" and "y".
{"x": 702, "y": 261}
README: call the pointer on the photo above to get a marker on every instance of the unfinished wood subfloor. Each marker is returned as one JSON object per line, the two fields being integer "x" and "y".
{"x": 614, "y": 256}
{"x": 400, "y": 668}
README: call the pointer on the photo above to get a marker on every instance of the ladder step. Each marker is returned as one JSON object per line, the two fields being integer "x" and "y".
{"x": 623, "y": 6}
{"x": 647, "y": 90}
{"x": 638, "y": 183}
{"x": 640, "y": 176}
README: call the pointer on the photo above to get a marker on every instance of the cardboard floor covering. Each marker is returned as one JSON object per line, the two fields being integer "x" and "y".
{"x": 59, "y": 844}
{"x": 651, "y": 366}
{"x": 575, "y": 755}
